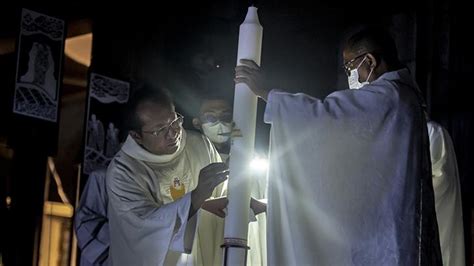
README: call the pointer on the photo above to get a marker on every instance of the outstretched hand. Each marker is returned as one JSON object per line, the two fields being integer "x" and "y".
{"x": 209, "y": 178}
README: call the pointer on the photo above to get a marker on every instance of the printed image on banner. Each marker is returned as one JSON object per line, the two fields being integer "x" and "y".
{"x": 107, "y": 96}
{"x": 40, "y": 50}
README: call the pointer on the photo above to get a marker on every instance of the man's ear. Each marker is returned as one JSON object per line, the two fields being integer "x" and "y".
{"x": 372, "y": 61}
{"x": 136, "y": 136}
{"x": 197, "y": 123}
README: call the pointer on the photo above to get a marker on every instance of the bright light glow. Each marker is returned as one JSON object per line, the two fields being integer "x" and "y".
{"x": 8, "y": 201}
{"x": 259, "y": 164}
{"x": 79, "y": 49}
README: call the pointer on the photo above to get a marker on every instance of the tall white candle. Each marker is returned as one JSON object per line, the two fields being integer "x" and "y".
{"x": 242, "y": 148}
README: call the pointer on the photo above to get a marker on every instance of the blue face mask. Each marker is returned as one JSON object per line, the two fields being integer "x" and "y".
{"x": 353, "y": 78}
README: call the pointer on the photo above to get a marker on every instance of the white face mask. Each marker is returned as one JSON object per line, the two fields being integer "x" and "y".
{"x": 213, "y": 131}
{"x": 353, "y": 78}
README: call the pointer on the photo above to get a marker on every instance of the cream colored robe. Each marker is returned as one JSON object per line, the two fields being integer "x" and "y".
{"x": 447, "y": 193}
{"x": 149, "y": 202}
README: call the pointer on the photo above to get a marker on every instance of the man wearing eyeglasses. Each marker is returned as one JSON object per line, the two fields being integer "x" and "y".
{"x": 350, "y": 174}
{"x": 215, "y": 121}
{"x": 156, "y": 185}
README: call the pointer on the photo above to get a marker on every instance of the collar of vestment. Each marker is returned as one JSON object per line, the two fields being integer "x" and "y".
{"x": 131, "y": 148}
{"x": 403, "y": 75}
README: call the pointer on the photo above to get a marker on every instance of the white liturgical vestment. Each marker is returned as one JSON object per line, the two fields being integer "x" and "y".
{"x": 349, "y": 179}
{"x": 447, "y": 193}
{"x": 149, "y": 202}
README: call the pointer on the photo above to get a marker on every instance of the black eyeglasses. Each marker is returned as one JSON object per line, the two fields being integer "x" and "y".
{"x": 347, "y": 66}
{"x": 175, "y": 124}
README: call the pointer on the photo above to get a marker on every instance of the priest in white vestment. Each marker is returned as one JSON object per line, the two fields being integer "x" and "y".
{"x": 214, "y": 120}
{"x": 350, "y": 176}
{"x": 156, "y": 185}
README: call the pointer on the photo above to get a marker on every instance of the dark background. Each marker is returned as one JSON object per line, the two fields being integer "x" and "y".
{"x": 179, "y": 46}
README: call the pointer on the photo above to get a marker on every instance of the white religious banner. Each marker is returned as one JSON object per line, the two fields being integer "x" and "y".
{"x": 38, "y": 74}
{"x": 106, "y": 98}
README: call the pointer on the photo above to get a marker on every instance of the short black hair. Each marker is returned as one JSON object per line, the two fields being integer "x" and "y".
{"x": 145, "y": 93}
{"x": 208, "y": 95}
{"x": 377, "y": 41}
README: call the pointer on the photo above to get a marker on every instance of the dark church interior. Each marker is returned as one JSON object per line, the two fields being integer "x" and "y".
{"x": 191, "y": 50}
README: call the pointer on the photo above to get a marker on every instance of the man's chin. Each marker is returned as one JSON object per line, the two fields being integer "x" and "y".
{"x": 171, "y": 149}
